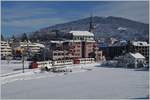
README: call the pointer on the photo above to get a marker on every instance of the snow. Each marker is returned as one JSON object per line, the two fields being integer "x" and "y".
{"x": 140, "y": 43}
{"x": 122, "y": 28}
{"x": 82, "y": 83}
{"x": 12, "y": 66}
{"x": 81, "y": 33}
{"x": 22, "y": 44}
{"x": 137, "y": 55}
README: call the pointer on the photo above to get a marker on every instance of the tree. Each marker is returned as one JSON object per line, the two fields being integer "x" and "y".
{"x": 2, "y": 38}
{"x": 13, "y": 38}
{"x": 24, "y": 37}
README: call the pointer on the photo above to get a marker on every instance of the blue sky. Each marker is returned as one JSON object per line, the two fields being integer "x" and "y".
{"x": 19, "y": 16}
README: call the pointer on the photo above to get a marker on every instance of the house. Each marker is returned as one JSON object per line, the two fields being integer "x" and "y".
{"x": 121, "y": 47}
{"x": 131, "y": 60}
{"x": 139, "y": 46}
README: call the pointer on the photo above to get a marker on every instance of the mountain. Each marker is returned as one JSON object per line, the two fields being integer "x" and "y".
{"x": 105, "y": 27}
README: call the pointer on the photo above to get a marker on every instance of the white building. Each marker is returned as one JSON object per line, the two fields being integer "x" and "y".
{"x": 141, "y": 47}
{"x": 135, "y": 60}
{"x": 5, "y": 49}
{"x": 33, "y": 47}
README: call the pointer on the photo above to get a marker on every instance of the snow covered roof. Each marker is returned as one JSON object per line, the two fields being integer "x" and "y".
{"x": 137, "y": 55}
{"x": 39, "y": 45}
{"x": 22, "y": 44}
{"x": 81, "y": 33}
{"x": 56, "y": 42}
{"x": 140, "y": 43}
{"x": 120, "y": 43}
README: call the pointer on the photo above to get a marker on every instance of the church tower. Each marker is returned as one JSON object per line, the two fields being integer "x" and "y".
{"x": 91, "y": 27}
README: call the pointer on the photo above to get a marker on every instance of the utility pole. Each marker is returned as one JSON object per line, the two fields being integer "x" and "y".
{"x": 28, "y": 49}
{"x": 62, "y": 48}
{"x": 44, "y": 53}
{"x": 23, "y": 60}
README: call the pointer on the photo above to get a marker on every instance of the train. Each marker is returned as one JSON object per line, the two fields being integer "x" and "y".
{"x": 84, "y": 60}
{"x": 59, "y": 63}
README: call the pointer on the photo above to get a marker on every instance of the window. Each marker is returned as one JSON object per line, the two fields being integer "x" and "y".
{"x": 78, "y": 50}
{"x": 140, "y": 43}
{"x": 55, "y": 54}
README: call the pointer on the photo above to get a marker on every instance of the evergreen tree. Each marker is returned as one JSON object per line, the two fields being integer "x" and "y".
{"x": 24, "y": 37}
{"x": 13, "y": 38}
{"x": 2, "y": 38}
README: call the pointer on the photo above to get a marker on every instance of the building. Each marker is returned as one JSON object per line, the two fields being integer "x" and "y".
{"x": 80, "y": 44}
{"x": 33, "y": 47}
{"x": 28, "y": 47}
{"x": 112, "y": 41}
{"x": 5, "y": 49}
{"x": 66, "y": 49}
{"x": 83, "y": 43}
{"x": 141, "y": 47}
{"x": 121, "y": 47}
{"x": 131, "y": 60}
{"x": 60, "y": 55}
{"x": 116, "y": 49}
{"x": 99, "y": 56}
{"x": 59, "y": 50}
{"x": 75, "y": 48}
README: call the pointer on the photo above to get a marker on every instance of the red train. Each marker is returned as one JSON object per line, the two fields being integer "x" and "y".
{"x": 56, "y": 64}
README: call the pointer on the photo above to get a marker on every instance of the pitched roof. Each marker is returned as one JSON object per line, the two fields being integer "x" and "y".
{"x": 137, "y": 55}
{"x": 140, "y": 43}
{"x": 81, "y": 33}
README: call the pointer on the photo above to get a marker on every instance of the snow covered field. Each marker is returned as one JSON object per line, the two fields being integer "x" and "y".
{"x": 13, "y": 65}
{"x": 85, "y": 82}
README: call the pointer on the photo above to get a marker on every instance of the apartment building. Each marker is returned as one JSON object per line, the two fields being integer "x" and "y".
{"x": 80, "y": 44}
{"x": 27, "y": 47}
{"x": 83, "y": 43}
{"x": 5, "y": 49}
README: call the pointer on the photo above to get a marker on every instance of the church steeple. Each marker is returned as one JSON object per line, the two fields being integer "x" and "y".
{"x": 91, "y": 27}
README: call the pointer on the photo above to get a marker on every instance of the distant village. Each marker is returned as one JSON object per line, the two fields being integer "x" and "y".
{"x": 77, "y": 47}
